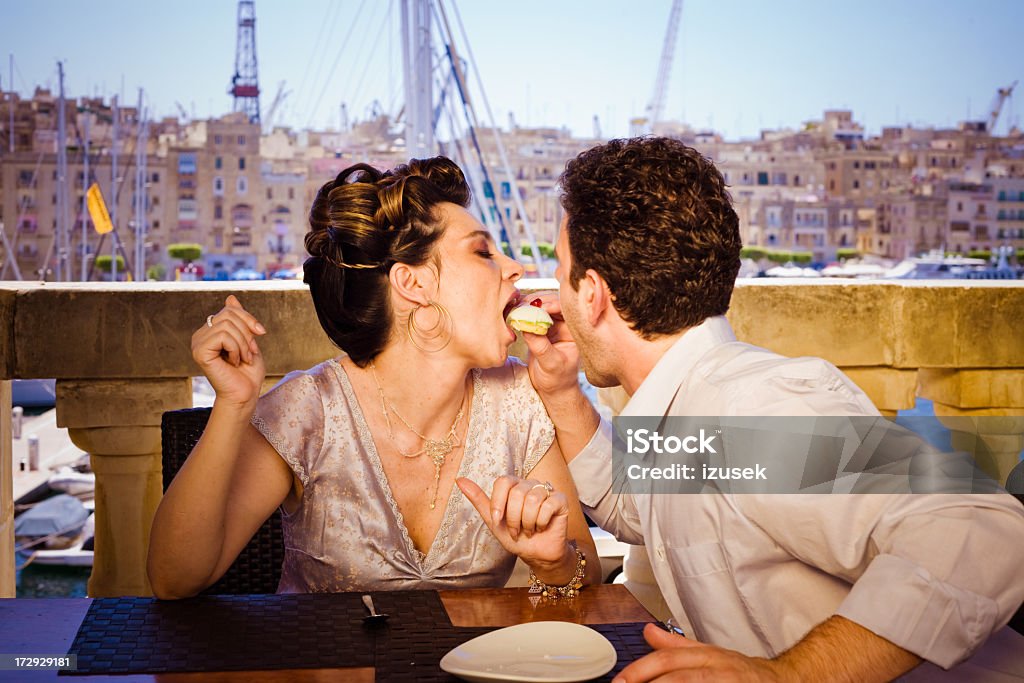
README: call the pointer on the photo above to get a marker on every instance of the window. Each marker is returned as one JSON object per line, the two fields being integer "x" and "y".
{"x": 291, "y": 193}
{"x": 218, "y": 163}
{"x": 856, "y": 184}
{"x": 241, "y": 139}
{"x": 218, "y": 212}
{"x": 188, "y": 210}
{"x": 796, "y": 181}
{"x": 270, "y": 193}
{"x": 155, "y": 178}
{"x": 218, "y": 186}
{"x": 856, "y": 164}
{"x": 217, "y": 139}
{"x": 241, "y": 163}
{"x": 242, "y": 186}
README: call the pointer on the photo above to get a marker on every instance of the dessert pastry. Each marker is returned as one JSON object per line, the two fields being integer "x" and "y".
{"x": 530, "y": 318}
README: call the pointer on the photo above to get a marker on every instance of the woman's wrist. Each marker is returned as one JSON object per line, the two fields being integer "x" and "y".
{"x": 564, "y": 574}
{"x": 233, "y": 411}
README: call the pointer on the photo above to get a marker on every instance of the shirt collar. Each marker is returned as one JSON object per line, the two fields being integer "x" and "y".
{"x": 654, "y": 395}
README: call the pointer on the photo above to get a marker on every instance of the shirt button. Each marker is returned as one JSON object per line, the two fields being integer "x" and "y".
{"x": 661, "y": 553}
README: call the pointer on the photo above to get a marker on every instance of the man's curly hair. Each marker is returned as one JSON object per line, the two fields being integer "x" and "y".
{"x": 654, "y": 219}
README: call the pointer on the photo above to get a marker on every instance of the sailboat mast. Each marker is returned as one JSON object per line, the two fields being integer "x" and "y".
{"x": 61, "y": 237}
{"x": 84, "y": 246}
{"x": 10, "y": 109}
{"x": 140, "y": 194}
{"x": 113, "y": 190}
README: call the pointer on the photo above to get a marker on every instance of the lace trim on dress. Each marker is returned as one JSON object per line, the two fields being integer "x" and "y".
{"x": 281, "y": 446}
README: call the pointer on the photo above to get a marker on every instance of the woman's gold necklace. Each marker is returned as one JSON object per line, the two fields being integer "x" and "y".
{"x": 435, "y": 449}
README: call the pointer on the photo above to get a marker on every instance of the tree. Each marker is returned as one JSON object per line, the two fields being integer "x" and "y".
{"x": 103, "y": 263}
{"x": 755, "y": 253}
{"x": 185, "y": 252}
{"x": 545, "y": 248}
{"x": 802, "y": 257}
{"x": 980, "y": 253}
{"x": 156, "y": 272}
{"x": 844, "y": 253}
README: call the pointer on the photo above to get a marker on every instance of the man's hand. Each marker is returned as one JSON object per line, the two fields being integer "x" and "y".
{"x": 554, "y": 359}
{"x": 676, "y": 658}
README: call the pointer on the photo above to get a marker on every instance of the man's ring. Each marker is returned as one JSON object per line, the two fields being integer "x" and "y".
{"x": 546, "y": 486}
{"x": 209, "y": 320}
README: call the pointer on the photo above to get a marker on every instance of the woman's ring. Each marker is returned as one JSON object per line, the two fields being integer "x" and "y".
{"x": 209, "y": 320}
{"x": 546, "y": 486}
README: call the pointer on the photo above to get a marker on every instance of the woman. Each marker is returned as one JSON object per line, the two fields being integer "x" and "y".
{"x": 374, "y": 456}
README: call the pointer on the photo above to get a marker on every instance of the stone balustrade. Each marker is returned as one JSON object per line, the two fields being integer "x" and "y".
{"x": 121, "y": 357}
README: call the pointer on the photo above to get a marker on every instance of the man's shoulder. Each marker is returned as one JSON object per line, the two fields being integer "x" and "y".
{"x": 753, "y": 380}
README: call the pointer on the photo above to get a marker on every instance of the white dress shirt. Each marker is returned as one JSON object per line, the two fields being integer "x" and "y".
{"x": 936, "y": 574}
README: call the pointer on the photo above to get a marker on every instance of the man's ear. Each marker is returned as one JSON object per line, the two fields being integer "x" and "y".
{"x": 594, "y": 296}
{"x": 415, "y": 284}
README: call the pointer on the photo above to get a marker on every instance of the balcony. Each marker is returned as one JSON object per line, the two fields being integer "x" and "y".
{"x": 120, "y": 353}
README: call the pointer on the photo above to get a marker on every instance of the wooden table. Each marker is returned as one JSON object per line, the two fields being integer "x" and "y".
{"x": 48, "y": 627}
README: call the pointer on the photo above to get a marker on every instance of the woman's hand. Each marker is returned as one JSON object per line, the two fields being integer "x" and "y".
{"x": 529, "y": 521}
{"x": 225, "y": 349}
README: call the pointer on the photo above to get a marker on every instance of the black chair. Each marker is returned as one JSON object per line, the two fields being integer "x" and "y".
{"x": 257, "y": 569}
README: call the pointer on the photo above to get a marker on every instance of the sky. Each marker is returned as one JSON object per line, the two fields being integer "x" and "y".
{"x": 740, "y": 66}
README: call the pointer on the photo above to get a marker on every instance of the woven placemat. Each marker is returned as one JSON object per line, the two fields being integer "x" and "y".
{"x": 269, "y": 632}
{"x": 415, "y": 657}
{"x": 237, "y": 633}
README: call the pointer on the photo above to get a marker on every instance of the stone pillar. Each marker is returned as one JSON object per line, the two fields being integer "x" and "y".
{"x": 984, "y": 409}
{"x": 890, "y": 389}
{"x": 7, "y": 589}
{"x": 118, "y": 423}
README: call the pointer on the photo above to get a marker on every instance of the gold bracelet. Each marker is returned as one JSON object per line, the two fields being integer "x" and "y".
{"x": 570, "y": 589}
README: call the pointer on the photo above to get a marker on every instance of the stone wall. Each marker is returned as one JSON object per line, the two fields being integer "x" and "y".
{"x": 121, "y": 356}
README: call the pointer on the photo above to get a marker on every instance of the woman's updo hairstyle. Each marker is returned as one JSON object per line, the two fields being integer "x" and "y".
{"x": 362, "y": 223}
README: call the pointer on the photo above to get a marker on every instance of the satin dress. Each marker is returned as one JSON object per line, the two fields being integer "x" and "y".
{"x": 347, "y": 534}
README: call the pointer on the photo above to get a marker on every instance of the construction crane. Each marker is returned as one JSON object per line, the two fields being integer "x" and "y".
{"x": 245, "y": 87}
{"x": 656, "y": 107}
{"x": 1002, "y": 94}
{"x": 181, "y": 111}
{"x": 275, "y": 105}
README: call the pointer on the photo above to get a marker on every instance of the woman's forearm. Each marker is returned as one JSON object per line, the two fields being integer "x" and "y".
{"x": 188, "y": 531}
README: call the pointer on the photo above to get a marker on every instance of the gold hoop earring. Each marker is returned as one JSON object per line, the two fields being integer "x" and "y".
{"x": 444, "y": 323}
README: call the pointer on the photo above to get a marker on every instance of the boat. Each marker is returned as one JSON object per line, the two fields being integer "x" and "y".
{"x": 34, "y": 393}
{"x": 53, "y": 523}
{"x": 72, "y": 481}
{"x": 936, "y": 265}
{"x": 78, "y": 554}
{"x": 59, "y": 530}
{"x": 862, "y": 271}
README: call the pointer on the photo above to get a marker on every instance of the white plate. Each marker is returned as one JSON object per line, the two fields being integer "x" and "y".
{"x": 554, "y": 651}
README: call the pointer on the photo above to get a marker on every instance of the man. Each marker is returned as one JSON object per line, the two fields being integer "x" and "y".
{"x": 774, "y": 587}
